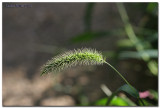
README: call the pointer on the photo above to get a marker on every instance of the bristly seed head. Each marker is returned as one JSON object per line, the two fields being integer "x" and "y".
{"x": 83, "y": 56}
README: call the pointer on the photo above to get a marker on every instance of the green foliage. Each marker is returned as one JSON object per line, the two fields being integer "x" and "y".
{"x": 88, "y": 16}
{"x": 154, "y": 94}
{"x": 145, "y": 102}
{"x": 143, "y": 44}
{"x": 152, "y": 7}
{"x": 116, "y": 101}
{"x": 138, "y": 55}
{"x": 125, "y": 43}
{"x": 83, "y": 100}
{"x": 130, "y": 90}
{"x": 126, "y": 88}
{"x": 87, "y": 36}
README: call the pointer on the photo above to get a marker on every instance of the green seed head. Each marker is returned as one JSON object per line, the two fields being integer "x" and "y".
{"x": 71, "y": 58}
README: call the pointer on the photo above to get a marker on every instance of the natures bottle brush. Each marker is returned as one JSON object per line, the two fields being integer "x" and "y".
{"x": 85, "y": 56}
{"x": 71, "y": 58}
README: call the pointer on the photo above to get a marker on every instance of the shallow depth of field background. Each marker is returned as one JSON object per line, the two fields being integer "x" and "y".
{"x": 33, "y": 35}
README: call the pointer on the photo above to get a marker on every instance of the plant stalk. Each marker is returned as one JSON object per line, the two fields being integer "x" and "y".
{"x": 120, "y": 76}
{"x": 124, "y": 80}
{"x": 118, "y": 73}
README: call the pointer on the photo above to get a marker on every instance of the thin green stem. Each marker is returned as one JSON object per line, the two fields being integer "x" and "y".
{"x": 118, "y": 73}
{"x": 121, "y": 76}
{"x": 124, "y": 80}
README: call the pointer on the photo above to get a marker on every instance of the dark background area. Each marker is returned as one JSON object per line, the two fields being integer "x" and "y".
{"x": 34, "y": 34}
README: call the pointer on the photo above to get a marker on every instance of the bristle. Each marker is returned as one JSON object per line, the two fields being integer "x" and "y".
{"x": 85, "y": 56}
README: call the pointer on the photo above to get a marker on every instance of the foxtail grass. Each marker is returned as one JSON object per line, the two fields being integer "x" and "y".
{"x": 84, "y": 56}
{"x": 72, "y": 58}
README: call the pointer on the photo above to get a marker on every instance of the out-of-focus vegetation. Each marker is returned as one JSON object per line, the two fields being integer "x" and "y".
{"x": 126, "y": 33}
{"x": 140, "y": 43}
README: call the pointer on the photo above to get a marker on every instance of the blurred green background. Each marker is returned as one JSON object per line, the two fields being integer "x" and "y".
{"x": 125, "y": 33}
